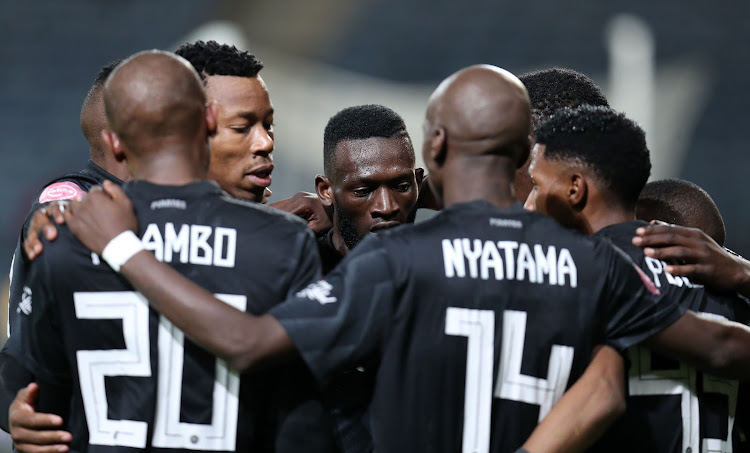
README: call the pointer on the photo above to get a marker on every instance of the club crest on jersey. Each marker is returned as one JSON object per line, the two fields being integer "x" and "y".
{"x": 58, "y": 191}
{"x": 25, "y": 305}
{"x": 647, "y": 281}
{"x": 319, "y": 292}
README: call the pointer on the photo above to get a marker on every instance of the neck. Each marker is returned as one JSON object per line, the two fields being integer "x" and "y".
{"x": 487, "y": 177}
{"x": 338, "y": 242}
{"x": 168, "y": 167}
{"x": 604, "y": 213}
{"x": 106, "y": 160}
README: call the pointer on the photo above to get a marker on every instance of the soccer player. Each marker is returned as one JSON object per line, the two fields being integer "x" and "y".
{"x": 101, "y": 166}
{"x": 241, "y": 157}
{"x": 241, "y": 161}
{"x": 443, "y": 305}
{"x": 82, "y": 311}
{"x": 684, "y": 203}
{"x": 551, "y": 89}
{"x": 370, "y": 182}
{"x": 681, "y": 202}
{"x": 588, "y": 169}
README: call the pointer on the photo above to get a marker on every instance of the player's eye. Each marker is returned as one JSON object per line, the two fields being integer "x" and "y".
{"x": 403, "y": 187}
{"x": 361, "y": 192}
{"x": 268, "y": 125}
{"x": 240, "y": 129}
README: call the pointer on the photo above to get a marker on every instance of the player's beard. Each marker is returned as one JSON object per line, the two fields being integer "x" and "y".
{"x": 347, "y": 230}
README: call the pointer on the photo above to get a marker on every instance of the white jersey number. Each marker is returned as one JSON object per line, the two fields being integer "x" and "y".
{"x": 644, "y": 380}
{"x": 479, "y": 327}
{"x": 134, "y": 360}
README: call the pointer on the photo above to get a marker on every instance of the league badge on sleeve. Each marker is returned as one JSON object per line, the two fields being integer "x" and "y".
{"x": 647, "y": 281}
{"x": 65, "y": 190}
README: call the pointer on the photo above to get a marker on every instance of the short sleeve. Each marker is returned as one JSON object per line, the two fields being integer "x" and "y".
{"x": 308, "y": 268}
{"x": 341, "y": 321}
{"x": 37, "y": 342}
{"x": 636, "y": 307}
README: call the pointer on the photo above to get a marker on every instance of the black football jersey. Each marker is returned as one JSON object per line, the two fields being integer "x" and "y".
{"x": 67, "y": 187}
{"x": 136, "y": 382}
{"x": 478, "y": 318}
{"x": 672, "y": 407}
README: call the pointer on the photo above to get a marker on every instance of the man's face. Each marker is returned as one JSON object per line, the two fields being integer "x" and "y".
{"x": 241, "y": 160}
{"x": 374, "y": 186}
{"x": 550, "y": 186}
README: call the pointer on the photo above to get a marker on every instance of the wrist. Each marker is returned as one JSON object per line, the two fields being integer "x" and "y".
{"x": 120, "y": 249}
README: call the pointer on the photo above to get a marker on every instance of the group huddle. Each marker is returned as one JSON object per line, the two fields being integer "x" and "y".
{"x": 171, "y": 308}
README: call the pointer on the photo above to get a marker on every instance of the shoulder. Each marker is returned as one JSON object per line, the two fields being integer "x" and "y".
{"x": 71, "y": 186}
{"x": 62, "y": 190}
{"x": 261, "y": 211}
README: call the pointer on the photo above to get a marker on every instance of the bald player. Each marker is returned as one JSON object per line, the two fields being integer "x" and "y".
{"x": 101, "y": 166}
{"x": 113, "y": 368}
{"x": 681, "y": 202}
{"x": 447, "y": 330}
{"x": 684, "y": 203}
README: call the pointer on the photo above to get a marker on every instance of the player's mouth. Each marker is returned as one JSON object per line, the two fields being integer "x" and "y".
{"x": 260, "y": 176}
{"x": 384, "y": 225}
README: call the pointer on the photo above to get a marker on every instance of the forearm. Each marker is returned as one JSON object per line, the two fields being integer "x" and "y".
{"x": 238, "y": 337}
{"x": 742, "y": 278}
{"x": 585, "y": 410}
{"x": 718, "y": 347}
{"x": 14, "y": 376}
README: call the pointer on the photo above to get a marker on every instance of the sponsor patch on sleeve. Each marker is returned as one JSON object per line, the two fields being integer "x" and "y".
{"x": 65, "y": 190}
{"x": 25, "y": 305}
{"x": 319, "y": 292}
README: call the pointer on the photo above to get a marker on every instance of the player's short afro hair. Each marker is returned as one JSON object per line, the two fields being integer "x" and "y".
{"x": 211, "y": 58}
{"x": 556, "y": 88}
{"x": 603, "y": 140}
{"x": 359, "y": 122}
{"x": 105, "y": 71}
{"x": 682, "y": 203}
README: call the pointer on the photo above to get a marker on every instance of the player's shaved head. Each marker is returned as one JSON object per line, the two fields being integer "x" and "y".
{"x": 480, "y": 115}
{"x": 153, "y": 98}
{"x": 485, "y": 105}
{"x": 93, "y": 117}
{"x": 94, "y": 120}
{"x": 682, "y": 203}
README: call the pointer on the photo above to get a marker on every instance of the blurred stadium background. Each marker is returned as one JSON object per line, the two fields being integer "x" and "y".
{"x": 680, "y": 67}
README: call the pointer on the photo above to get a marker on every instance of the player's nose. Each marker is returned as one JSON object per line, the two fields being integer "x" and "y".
{"x": 385, "y": 204}
{"x": 262, "y": 144}
{"x": 530, "y": 204}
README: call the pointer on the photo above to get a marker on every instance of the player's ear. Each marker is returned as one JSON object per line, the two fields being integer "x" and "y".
{"x": 438, "y": 148}
{"x": 211, "y": 118}
{"x": 578, "y": 191}
{"x": 114, "y": 144}
{"x": 324, "y": 190}
{"x": 419, "y": 176}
